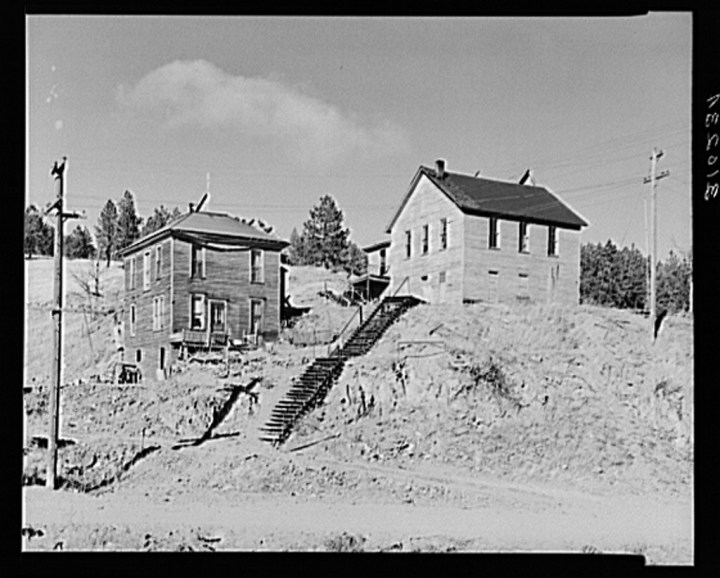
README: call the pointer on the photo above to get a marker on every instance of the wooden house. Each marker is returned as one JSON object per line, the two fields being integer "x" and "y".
{"x": 373, "y": 283}
{"x": 459, "y": 238}
{"x": 201, "y": 281}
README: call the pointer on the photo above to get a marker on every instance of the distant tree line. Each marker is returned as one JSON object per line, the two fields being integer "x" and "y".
{"x": 324, "y": 242}
{"x": 619, "y": 278}
{"x": 118, "y": 226}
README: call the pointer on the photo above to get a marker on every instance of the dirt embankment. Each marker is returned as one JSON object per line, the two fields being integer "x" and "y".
{"x": 480, "y": 409}
{"x": 579, "y": 396}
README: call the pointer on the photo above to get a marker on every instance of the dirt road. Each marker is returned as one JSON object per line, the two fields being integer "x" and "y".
{"x": 514, "y": 518}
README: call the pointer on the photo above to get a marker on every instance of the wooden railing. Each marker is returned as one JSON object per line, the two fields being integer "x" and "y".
{"x": 340, "y": 340}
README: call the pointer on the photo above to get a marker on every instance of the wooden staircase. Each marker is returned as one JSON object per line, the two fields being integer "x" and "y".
{"x": 309, "y": 390}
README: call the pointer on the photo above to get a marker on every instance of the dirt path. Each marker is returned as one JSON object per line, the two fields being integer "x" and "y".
{"x": 525, "y": 520}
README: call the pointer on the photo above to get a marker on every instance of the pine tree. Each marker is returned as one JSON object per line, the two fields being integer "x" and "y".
{"x": 296, "y": 250}
{"x": 39, "y": 235}
{"x": 160, "y": 217}
{"x": 106, "y": 231}
{"x": 128, "y": 221}
{"x": 325, "y": 239}
{"x": 355, "y": 260}
{"x": 673, "y": 283}
{"x": 79, "y": 244}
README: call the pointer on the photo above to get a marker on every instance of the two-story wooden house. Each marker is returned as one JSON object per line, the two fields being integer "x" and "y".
{"x": 198, "y": 282}
{"x": 458, "y": 238}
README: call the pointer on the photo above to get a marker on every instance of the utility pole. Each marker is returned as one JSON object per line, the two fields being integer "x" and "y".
{"x": 58, "y": 171}
{"x": 652, "y": 179}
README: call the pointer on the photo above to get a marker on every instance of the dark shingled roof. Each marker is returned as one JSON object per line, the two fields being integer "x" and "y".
{"x": 481, "y": 196}
{"x": 211, "y": 227}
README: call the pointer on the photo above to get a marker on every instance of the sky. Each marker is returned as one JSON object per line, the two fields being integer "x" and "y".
{"x": 282, "y": 110}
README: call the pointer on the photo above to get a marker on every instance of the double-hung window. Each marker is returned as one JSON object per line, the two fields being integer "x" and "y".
{"x": 146, "y": 270}
{"x": 425, "y": 239}
{"x": 131, "y": 272}
{"x": 443, "y": 234}
{"x": 197, "y": 261}
{"x": 197, "y": 311}
{"x": 158, "y": 312}
{"x": 408, "y": 244}
{"x": 493, "y": 234}
{"x": 524, "y": 245}
{"x": 158, "y": 261}
{"x": 257, "y": 273}
{"x": 133, "y": 317}
{"x": 552, "y": 242}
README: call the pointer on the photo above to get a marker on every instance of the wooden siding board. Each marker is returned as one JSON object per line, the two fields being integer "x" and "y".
{"x": 479, "y": 285}
{"x": 427, "y": 205}
{"x": 227, "y": 277}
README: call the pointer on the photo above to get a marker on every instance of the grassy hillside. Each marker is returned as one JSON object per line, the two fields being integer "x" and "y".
{"x": 535, "y": 392}
{"x": 575, "y": 395}
{"x": 88, "y": 344}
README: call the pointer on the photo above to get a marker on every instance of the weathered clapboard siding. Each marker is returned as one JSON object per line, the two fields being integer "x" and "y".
{"x": 508, "y": 264}
{"x": 146, "y": 339}
{"x": 227, "y": 278}
{"x": 427, "y": 206}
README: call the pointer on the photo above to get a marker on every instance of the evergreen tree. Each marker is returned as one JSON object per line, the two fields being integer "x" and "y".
{"x": 106, "y": 231}
{"x": 160, "y": 217}
{"x": 355, "y": 260}
{"x": 296, "y": 254}
{"x": 612, "y": 278}
{"x": 128, "y": 221}
{"x": 673, "y": 283}
{"x": 325, "y": 239}
{"x": 79, "y": 244}
{"x": 39, "y": 235}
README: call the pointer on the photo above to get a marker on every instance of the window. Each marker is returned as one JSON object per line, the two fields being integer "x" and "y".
{"x": 197, "y": 312}
{"x": 442, "y": 277}
{"x": 256, "y": 316}
{"x": 443, "y": 234}
{"x": 158, "y": 312}
{"x": 552, "y": 242}
{"x": 138, "y": 355}
{"x": 131, "y": 273}
{"x": 408, "y": 244}
{"x": 257, "y": 275}
{"x": 132, "y": 319}
{"x": 493, "y": 234}
{"x": 158, "y": 261}
{"x": 523, "y": 293}
{"x": 161, "y": 359}
{"x": 383, "y": 262}
{"x": 217, "y": 316}
{"x": 426, "y": 239}
{"x": 524, "y": 246}
{"x": 197, "y": 261}
{"x": 146, "y": 271}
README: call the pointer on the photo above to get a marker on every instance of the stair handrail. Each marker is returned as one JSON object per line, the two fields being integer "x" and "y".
{"x": 397, "y": 290}
{"x": 339, "y": 339}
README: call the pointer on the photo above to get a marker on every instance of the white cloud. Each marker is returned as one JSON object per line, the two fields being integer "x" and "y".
{"x": 197, "y": 93}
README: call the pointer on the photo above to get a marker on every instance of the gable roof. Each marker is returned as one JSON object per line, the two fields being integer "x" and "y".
{"x": 206, "y": 227}
{"x": 487, "y": 197}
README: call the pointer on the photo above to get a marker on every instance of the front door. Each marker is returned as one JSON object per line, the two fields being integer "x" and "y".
{"x": 217, "y": 316}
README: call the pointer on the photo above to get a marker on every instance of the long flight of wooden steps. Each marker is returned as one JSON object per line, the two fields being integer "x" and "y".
{"x": 309, "y": 390}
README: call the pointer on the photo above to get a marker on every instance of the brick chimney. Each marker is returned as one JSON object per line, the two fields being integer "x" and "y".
{"x": 440, "y": 168}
